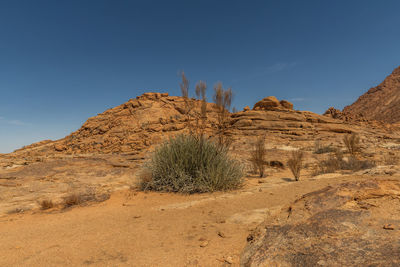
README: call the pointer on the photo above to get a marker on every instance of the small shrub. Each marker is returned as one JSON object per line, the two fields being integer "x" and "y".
{"x": 46, "y": 204}
{"x": 352, "y": 143}
{"x": 201, "y": 117}
{"x": 329, "y": 165}
{"x": 336, "y": 162}
{"x": 390, "y": 159}
{"x": 258, "y": 155}
{"x": 223, "y": 100}
{"x": 187, "y": 164}
{"x": 354, "y": 164}
{"x": 72, "y": 200}
{"x": 295, "y": 163}
{"x": 319, "y": 149}
{"x": 276, "y": 164}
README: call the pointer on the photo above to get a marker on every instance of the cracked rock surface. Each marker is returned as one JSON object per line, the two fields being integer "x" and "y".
{"x": 350, "y": 224}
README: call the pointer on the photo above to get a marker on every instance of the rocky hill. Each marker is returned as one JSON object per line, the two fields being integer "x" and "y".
{"x": 136, "y": 126}
{"x": 104, "y": 159}
{"x": 381, "y": 103}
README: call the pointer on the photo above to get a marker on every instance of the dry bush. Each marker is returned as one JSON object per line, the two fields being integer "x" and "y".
{"x": 189, "y": 105}
{"x": 46, "y": 204}
{"x": 329, "y": 165}
{"x": 72, "y": 200}
{"x": 354, "y": 164}
{"x": 276, "y": 164}
{"x": 223, "y": 100}
{"x": 201, "y": 116}
{"x": 258, "y": 155}
{"x": 196, "y": 117}
{"x": 83, "y": 197}
{"x": 336, "y": 162}
{"x": 391, "y": 159}
{"x": 352, "y": 143}
{"x": 295, "y": 163}
{"x": 195, "y": 111}
{"x": 320, "y": 149}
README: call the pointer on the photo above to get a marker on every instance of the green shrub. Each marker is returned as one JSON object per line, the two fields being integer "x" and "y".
{"x": 187, "y": 164}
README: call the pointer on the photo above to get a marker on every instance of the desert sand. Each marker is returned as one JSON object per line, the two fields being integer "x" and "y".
{"x": 153, "y": 229}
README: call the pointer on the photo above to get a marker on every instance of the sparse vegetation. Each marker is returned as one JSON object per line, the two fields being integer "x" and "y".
{"x": 320, "y": 149}
{"x": 295, "y": 163}
{"x": 391, "y": 159}
{"x": 189, "y": 105}
{"x": 193, "y": 163}
{"x": 46, "y": 204}
{"x": 223, "y": 100}
{"x": 201, "y": 117}
{"x": 276, "y": 164}
{"x": 336, "y": 162}
{"x": 186, "y": 164}
{"x": 72, "y": 200}
{"x": 352, "y": 143}
{"x": 195, "y": 110}
{"x": 79, "y": 198}
{"x": 258, "y": 155}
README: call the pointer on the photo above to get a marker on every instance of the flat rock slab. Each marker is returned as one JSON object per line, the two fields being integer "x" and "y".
{"x": 344, "y": 225}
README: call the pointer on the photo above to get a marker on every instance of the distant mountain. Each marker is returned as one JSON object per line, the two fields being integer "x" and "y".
{"x": 381, "y": 103}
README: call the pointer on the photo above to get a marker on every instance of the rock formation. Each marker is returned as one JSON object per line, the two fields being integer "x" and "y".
{"x": 272, "y": 103}
{"x": 131, "y": 127}
{"x": 351, "y": 224}
{"x": 381, "y": 103}
{"x": 139, "y": 124}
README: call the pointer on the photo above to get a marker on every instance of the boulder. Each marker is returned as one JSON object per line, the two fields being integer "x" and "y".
{"x": 333, "y": 113}
{"x": 268, "y": 103}
{"x": 272, "y": 103}
{"x": 350, "y": 224}
{"x": 286, "y": 104}
{"x": 59, "y": 147}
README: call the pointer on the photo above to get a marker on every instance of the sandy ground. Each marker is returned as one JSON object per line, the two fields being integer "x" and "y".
{"x": 150, "y": 229}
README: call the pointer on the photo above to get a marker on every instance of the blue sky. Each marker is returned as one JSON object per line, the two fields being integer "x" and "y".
{"x": 64, "y": 61}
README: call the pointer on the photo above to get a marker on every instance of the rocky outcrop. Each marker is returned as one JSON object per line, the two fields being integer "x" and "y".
{"x": 334, "y": 113}
{"x": 287, "y": 123}
{"x": 351, "y": 224}
{"x": 141, "y": 123}
{"x": 272, "y": 103}
{"x": 381, "y": 103}
{"x": 131, "y": 127}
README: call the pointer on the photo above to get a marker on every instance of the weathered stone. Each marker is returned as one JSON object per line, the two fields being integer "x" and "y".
{"x": 286, "y": 104}
{"x": 59, "y": 147}
{"x": 268, "y": 103}
{"x": 332, "y": 226}
{"x": 380, "y": 103}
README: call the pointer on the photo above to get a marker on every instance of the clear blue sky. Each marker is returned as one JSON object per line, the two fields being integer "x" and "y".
{"x": 64, "y": 61}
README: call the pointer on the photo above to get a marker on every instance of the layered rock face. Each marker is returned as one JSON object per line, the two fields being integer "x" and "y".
{"x": 139, "y": 124}
{"x": 131, "y": 127}
{"x": 351, "y": 224}
{"x": 380, "y": 103}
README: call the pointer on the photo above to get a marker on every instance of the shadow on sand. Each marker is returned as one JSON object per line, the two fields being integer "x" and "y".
{"x": 288, "y": 179}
